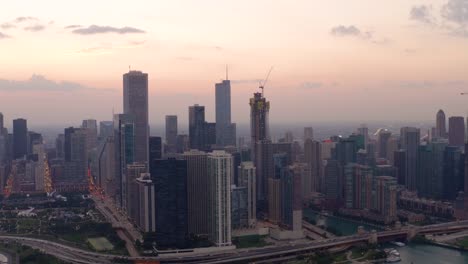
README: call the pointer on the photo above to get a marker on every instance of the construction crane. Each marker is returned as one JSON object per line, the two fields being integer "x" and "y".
{"x": 262, "y": 85}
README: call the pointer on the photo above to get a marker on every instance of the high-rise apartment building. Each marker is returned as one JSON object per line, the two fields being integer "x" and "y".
{"x": 132, "y": 203}
{"x": 147, "y": 203}
{"x": 171, "y": 134}
{"x": 456, "y": 131}
{"x": 135, "y": 105}
{"x": 219, "y": 173}
{"x": 247, "y": 178}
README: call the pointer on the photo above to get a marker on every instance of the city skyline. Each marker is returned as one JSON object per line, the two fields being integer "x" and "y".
{"x": 362, "y": 61}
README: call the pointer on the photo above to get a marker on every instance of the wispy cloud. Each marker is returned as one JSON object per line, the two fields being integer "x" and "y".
{"x": 95, "y": 29}
{"x": 342, "y": 31}
{"x": 422, "y": 13}
{"x": 34, "y": 28}
{"x": 354, "y": 31}
{"x": 311, "y": 85}
{"x": 73, "y": 26}
{"x": 4, "y": 36}
{"x": 7, "y": 25}
{"x": 25, "y": 19}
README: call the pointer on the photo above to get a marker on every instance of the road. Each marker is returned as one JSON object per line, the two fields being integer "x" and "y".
{"x": 125, "y": 229}
{"x": 80, "y": 256}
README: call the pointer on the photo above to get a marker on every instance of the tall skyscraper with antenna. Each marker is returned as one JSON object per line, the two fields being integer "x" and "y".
{"x": 225, "y": 130}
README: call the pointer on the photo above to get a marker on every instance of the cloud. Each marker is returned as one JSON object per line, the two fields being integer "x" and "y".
{"x": 409, "y": 51}
{"x": 34, "y": 28}
{"x": 73, "y": 26}
{"x": 94, "y": 29}
{"x": 25, "y": 19}
{"x": 311, "y": 85}
{"x": 41, "y": 83}
{"x": 353, "y": 31}
{"x": 421, "y": 13}
{"x": 4, "y": 36}
{"x": 7, "y": 25}
{"x": 456, "y": 11}
{"x": 342, "y": 31}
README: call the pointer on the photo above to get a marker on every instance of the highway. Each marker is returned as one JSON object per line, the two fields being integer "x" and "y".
{"x": 79, "y": 256}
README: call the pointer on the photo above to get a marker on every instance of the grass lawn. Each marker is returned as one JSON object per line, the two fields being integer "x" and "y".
{"x": 250, "y": 241}
{"x": 100, "y": 244}
{"x": 463, "y": 242}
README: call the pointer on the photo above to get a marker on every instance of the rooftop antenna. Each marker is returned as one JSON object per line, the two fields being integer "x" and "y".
{"x": 262, "y": 85}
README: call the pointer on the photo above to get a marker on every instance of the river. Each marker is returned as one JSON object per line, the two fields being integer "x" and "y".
{"x": 410, "y": 254}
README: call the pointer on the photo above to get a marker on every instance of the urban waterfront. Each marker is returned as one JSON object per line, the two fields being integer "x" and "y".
{"x": 413, "y": 253}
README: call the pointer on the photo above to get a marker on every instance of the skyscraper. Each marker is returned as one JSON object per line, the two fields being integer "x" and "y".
{"x": 364, "y": 131}
{"x": 441, "y": 131}
{"x": 171, "y": 133}
{"x": 386, "y": 192}
{"x": 219, "y": 173}
{"x": 456, "y": 131}
{"x": 155, "y": 148}
{"x": 147, "y": 203}
{"x": 225, "y": 130}
{"x": 135, "y": 104}
{"x": 265, "y": 170}
{"x": 76, "y": 155}
{"x": 410, "y": 139}
{"x": 105, "y": 129}
{"x": 308, "y": 133}
{"x": 399, "y": 161}
{"x": 197, "y": 127}
{"x": 313, "y": 157}
{"x": 92, "y": 130}
{"x": 383, "y": 139}
{"x": 248, "y": 179}
{"x": 170, "y": 187}
{"x": 2, "y": 124}
{"x": 198, "y": 201}
{"x": 20, "y": 138}
{"x": 259, "y": 130}
{"x": 132, "y": 204}
{"x": 124, "y": 145}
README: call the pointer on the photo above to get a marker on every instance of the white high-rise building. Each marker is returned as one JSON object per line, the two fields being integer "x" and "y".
{"x": 146, "y": 199}
{"x": 219, "y": 174}
{"x": 247, "y": 178}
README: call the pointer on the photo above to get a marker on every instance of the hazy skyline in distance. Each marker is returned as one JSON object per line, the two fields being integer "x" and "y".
{"x": 333, "y": 60}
